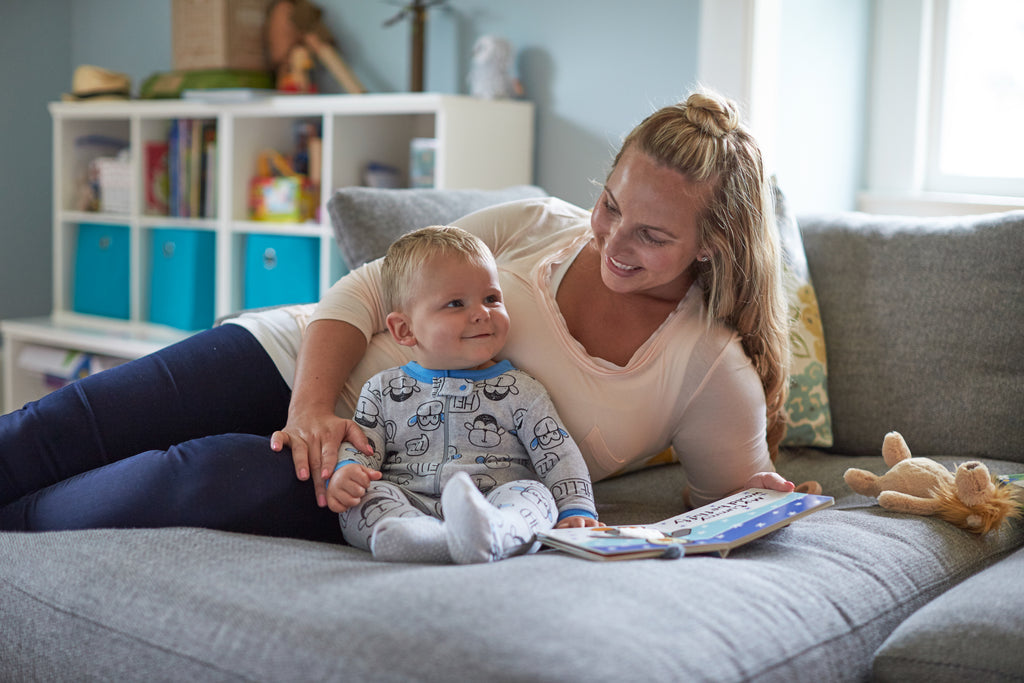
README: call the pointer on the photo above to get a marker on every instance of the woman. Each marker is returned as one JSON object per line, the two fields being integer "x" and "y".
{"x": 658, "y": 320}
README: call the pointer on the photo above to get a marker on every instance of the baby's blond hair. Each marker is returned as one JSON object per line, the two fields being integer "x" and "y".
{"x": 407, "y": 256}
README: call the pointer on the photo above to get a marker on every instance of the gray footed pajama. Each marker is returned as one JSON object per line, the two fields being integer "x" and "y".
{"x": 474, "y": 463}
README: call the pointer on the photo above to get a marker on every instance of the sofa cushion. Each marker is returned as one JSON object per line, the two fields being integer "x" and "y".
{"x": 366, "y": 220}
{"x": 923, "y": 327}
{"x": 811, "y": 601}
{"x": 973, "y": 632}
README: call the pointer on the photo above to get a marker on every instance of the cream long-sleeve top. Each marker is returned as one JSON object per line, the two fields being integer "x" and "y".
{"x": 689, "y": 386}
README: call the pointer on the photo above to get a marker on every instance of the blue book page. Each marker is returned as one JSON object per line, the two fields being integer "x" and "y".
{"x": 719, "y": 526}
{"x": 604, "y": 541}
{"x": 752, "y": 509}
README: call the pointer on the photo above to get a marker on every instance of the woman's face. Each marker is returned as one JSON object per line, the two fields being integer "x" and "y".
{"x": 645, "y": 228}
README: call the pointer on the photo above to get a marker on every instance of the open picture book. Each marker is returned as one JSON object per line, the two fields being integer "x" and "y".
{"x": 714, "y": 528}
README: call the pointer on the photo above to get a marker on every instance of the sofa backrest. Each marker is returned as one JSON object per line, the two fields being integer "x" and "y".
{"x": 924, "y": 330}
{"x": 366, "y": 220}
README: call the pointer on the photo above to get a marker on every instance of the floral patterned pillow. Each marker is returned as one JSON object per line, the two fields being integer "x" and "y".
{"x": 808, "y": 418}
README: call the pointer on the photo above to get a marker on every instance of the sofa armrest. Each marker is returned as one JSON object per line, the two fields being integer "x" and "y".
{"x": 972, "y": 632}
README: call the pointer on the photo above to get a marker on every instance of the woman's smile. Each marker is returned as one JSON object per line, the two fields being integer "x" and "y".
{"x": 622, "y": 266}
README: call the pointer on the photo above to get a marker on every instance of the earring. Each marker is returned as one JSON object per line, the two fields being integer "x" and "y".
{"x": 705, "y": 259}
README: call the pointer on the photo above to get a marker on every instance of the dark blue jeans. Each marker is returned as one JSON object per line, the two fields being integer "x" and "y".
{"x": 177, "y": 438}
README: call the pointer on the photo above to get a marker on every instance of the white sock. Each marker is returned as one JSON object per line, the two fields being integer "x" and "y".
{"x": 410, "y": 539}
{"x": 477, "y": 531}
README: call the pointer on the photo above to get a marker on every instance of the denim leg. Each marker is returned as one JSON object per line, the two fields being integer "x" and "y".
{"x": 232, "y": 482}
{"x": 215, "y": 382}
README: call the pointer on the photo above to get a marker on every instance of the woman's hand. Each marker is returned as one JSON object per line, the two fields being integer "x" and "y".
{"x": 577, "y": 522}
{"x": 330, "y": 349}
{"x": 314, "y": 444}
{"x": 769, "y": 480}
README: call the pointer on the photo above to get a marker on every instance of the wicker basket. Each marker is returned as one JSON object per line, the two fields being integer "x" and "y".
{"x": 218, "y": 34}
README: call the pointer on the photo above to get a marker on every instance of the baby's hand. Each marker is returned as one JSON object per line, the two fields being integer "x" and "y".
{"x": 576, "y": 522}
{"x": 348, "y": 486}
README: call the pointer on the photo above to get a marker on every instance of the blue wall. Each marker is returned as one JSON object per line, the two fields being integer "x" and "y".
{"x": 594, "y": 68}
{"x": 35, "y": 50}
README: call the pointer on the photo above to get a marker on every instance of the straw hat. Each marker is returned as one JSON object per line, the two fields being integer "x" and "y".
{"x": 94, "y": 83}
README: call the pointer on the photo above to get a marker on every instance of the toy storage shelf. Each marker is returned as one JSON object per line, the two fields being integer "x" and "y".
{"x": 479, "y": 144}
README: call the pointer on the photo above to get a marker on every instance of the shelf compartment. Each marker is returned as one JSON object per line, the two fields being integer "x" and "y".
{"x": 181, "y": 277}
{"x": 102, "y": 270}
{"x": 252, "y": 135}
{"x": 359, "y": 140}
{"x": 79, "y": 143}
{"x": 281, "y": 269}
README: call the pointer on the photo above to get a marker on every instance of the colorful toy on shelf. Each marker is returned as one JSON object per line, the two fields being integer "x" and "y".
{"x": 294, "y": 33}
{"x": 278, "y": 193}
{"x": 294, "y": 74}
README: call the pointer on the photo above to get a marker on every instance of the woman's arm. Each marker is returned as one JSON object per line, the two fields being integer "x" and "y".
{"x": 329, "y": 351}
{"x": 721, "y": 441}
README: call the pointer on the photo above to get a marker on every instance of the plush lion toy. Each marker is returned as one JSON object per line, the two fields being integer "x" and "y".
{"x": 971, "y": 499}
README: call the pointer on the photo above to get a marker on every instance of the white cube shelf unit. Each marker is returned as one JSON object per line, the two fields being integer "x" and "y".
{"x": 481, "y": 144}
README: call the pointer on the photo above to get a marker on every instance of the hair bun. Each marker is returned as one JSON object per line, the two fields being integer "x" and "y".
{"x": 713, "y": 114}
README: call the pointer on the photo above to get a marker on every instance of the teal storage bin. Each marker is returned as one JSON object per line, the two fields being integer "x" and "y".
{"x": 281, "y": 269}
{"x": 182, "y": 278}
{"x": 102, "y": 266}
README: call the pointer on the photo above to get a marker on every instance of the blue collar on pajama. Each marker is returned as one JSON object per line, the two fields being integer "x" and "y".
{"x": 422, "y": 374}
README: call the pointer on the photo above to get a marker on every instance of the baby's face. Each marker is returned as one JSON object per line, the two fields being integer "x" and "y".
{"x": 457, "y": 314}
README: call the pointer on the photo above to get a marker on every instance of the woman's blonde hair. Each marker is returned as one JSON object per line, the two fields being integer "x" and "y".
{"x": 704, "y": 140}
{"x": 408, "y": 254}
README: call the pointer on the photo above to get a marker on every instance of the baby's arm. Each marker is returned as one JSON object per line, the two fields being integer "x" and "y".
{"x": 558, "y": 461}
{"x": 356, "y": 467}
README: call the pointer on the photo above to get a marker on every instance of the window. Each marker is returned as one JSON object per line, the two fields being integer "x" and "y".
{"x": 976, "y": 135}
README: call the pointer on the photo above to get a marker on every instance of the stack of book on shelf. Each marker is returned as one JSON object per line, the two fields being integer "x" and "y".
{"x": 181, "y": 172}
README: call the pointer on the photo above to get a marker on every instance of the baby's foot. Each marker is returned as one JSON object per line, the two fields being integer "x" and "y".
{"x": 474, "y": 527}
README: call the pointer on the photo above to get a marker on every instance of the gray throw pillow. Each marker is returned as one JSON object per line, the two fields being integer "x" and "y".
{"x": 924, "y": 323}
{"x": 366, "y": 220}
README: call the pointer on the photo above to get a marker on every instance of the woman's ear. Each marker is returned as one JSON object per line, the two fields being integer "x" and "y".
{"x": 400, "y": 328}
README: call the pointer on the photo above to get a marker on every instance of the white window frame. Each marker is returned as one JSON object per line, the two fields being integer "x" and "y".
{"x": 903, "y": 117}
{"x": 935, "y": 178}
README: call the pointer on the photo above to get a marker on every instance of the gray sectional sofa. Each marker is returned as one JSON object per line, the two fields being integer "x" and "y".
{"x": 924, "y": 329}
